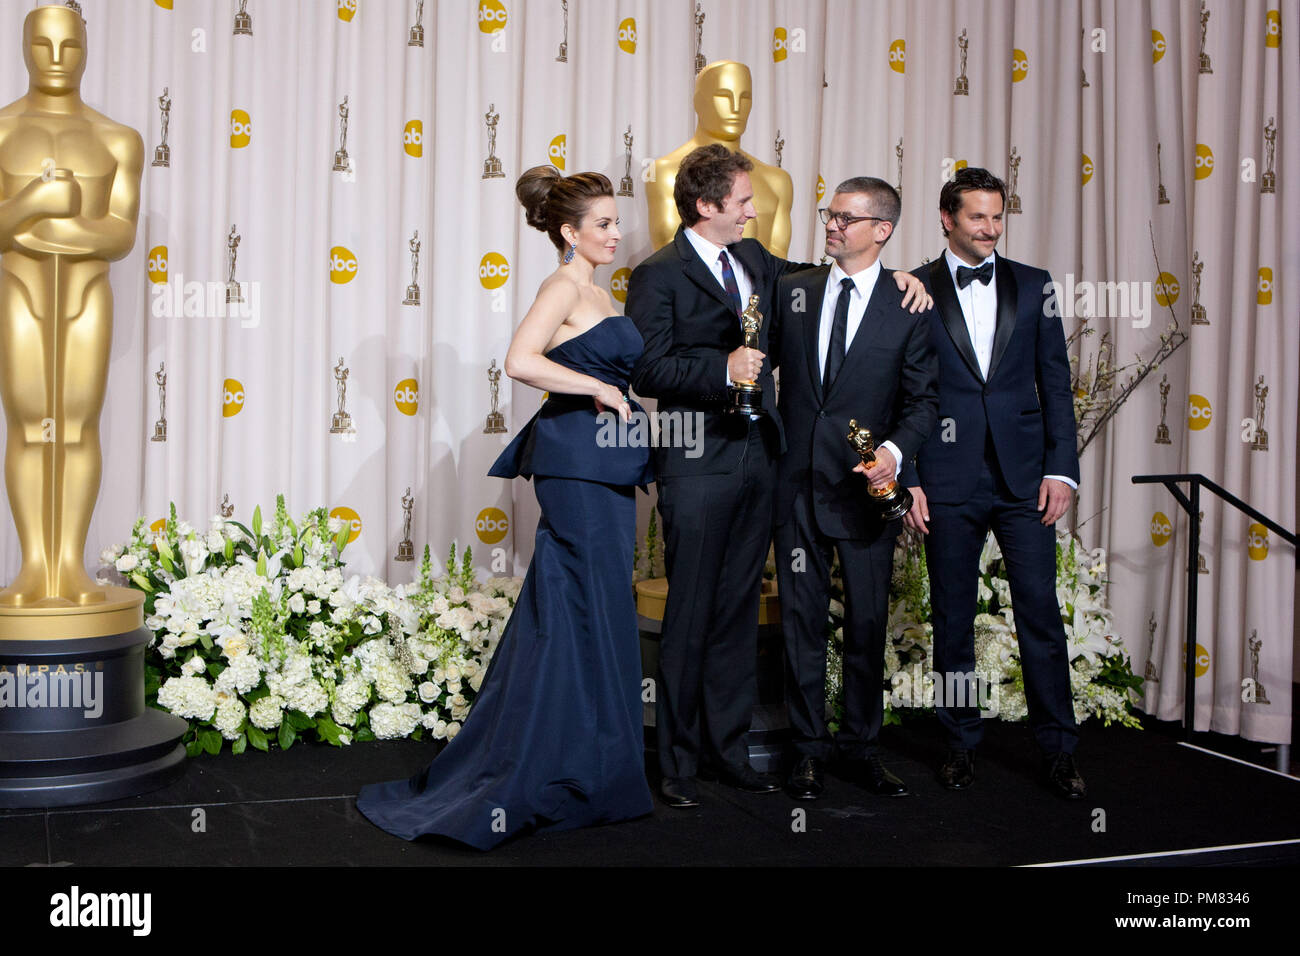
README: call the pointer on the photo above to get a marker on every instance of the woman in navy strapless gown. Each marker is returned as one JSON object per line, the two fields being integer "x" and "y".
{"x": 554, "y": 739}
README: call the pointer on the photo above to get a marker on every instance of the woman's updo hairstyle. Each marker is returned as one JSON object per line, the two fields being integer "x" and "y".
{"x": 551, "y": 200}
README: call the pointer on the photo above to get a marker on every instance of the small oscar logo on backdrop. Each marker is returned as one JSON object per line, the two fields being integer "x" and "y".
{"x": 1260, "y": 696}
{"x": 416, "y": 36}
{"x": 1083, "y": 73}
{"x": 1201, "y": 566}
{"x": 625, "y": 184}
{"x": 962, "y": 87}
{"x": 341, "y": 422}
{"x": 233, "y": 294}
{"x": 1198, "y": 310}
{"x": 492, "y": 165}
{"x": 227, "y": 509}
{"x": 1013, "y": 177}
{"x": 777, "y": 146}
{"x": 1162, "y": 430}
{"x": 700, "y": 61}
{"x": 1150, "y": 673}
{"x": 341, "y": 162}
{"x": 563, "y": 55}
{"x": 160, "y": 426}
{"x": 413, "y": 290}
{"x": 1260, "y": 442}
{"x": 162, "y": 153}
{"x": 1162, "y": 197}
{"x": 243, "y": 22}
{"x": 405, "y": 549}
{"x": 496, "y": 422}
{"x": 1268, "y": 182}
{"x": 1205, "y": 23}
{"x": 232, "y": 397}
{"x": 898, "y": 151}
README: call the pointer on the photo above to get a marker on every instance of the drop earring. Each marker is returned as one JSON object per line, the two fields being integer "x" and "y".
{"x": 568, "y": 256}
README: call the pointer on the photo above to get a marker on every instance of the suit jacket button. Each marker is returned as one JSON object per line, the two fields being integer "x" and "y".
{"x": 821, "y": 414}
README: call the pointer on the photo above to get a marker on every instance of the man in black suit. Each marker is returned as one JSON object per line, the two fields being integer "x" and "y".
{"x": 1002, "y": 457}
{"x": 715, "y": 498}
{"x": 849, "y": 350}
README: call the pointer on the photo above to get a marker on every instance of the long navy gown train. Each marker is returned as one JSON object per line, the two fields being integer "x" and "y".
{"x": 554, "y": 739}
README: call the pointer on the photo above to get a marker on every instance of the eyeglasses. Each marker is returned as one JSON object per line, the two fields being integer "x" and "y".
{"x": 843, "y": 219}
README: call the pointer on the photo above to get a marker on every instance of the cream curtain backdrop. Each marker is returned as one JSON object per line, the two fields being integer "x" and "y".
{"x": 324, "y": 255}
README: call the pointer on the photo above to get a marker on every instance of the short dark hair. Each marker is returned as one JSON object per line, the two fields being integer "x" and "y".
{"x": 706, "y": 173}
{"x": 882, "y": 197}
{"x": 969, "y": 179}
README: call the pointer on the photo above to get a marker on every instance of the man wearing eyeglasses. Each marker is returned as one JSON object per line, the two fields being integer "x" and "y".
{"x": 849, "y": 350}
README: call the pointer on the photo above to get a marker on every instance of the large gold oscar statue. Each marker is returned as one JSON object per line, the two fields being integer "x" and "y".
{"x": 69, "y": 196}
{"x": 723, "y": 97}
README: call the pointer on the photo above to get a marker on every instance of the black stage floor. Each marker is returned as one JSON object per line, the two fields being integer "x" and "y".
{"x": 1152, "y": 801}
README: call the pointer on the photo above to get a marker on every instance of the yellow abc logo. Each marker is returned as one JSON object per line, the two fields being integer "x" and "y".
{"x": 1264, "y": 294}
{"x": 821, "y": 188}
{"x": 1161, "y": 529}
{"x": 558, "y": 151}
{"x": 1202, "y": 659}
{"x": 1158, "y": 46}
{"x": 347, "y": 10}
{"x": 406, "y": 396}
{"x": 1204, "y": 161}
{"x": 491, "y": 16}
{"x": 1199, "y": 412}
{"x": 351, "y": 517}
{"x": 779, "y": 50}
{"x": 1257, "y": 541}
{"x": 491, "y": 525}
{"x": 232, "y": 398}
{"x": 241, "y": 129}
{"x": 618, "y": 283}
{"x": 493, "y": 270}
{"x": 1273, "y": 28}
{"x": 413, "y": 138}
{"x": 897, "y": 56}
{"x": 159, "y": 526}
{"x": 167, "y": 4}
{"x": 959, "y": 164}
{"x": 1167, "y": 288}
{"x": 1087, "y": 168}
{"x": 343, "y": 265}
{"x": 1019, "y": 65}
{"x": 627, "y": 35}
{"x": 156, "y": 265}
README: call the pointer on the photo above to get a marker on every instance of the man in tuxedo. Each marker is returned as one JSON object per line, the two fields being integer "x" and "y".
{"x": 1003, "y": 458}
{"x": 715, "y": 499}
{"x": 848, "y": 350}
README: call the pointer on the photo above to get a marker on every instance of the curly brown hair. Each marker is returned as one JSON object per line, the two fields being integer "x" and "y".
{"x": 706, "y": 173}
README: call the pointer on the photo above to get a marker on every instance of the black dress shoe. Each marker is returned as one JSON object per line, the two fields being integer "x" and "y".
{"x": 679, "y": 792}
{"x": 958, "y": 770}
{"x": 805, "y": 781}
{"x": 872, "y": 774}
{"x": 745, "y": 778}
{"x": 1063, "y": 777}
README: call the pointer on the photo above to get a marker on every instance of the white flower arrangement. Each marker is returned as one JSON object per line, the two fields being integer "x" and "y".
{"x": 260, "y": 639}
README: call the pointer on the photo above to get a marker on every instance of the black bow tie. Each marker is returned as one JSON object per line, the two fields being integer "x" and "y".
{"x": 966, "y": 275}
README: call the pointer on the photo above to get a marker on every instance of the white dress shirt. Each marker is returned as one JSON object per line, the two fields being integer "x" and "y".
{"x": 708, "y": 251}
{"x": 864, "y": 283}
{"x": 979, "y": 306}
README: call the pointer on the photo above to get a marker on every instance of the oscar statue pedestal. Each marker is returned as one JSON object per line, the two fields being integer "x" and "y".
{"x": 770, "y": 727}
{"x": 74, "y": 728}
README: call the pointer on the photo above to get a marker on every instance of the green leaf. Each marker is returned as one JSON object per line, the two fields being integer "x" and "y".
{"x": 257, "y": 738}
{"x": 241, "y": 742}
{"x": 214, "y": 669}
{"x": 210, "y": 740}
{"x": 363, "y": 734}
{"x": 193, "y": 748}
{"x": 329, "y": 731}
{"x": 257, "y": 522}
{"x": 230, "y": 550}
{"x": 287, "y": 735}
{"x": 164, "y": 548}
{"x": 298, "y": 720}
{"x": 206, "y": 640}
{"x": 166, "y": 562}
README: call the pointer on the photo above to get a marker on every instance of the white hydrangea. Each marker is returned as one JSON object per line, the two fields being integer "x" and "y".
{"x": 389, "y": 721}
{"x": 267, "y": 712}
{"x": 230, "y": 716}
{"x": 188, "y": 697}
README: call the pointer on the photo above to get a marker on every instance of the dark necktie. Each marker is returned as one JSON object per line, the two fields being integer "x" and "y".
{"x": 839, "y": 331}
{"x": 729, "y": 282}
{"x": 966, "y": 275}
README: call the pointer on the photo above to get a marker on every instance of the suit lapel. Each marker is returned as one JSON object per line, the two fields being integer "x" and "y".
{"x": 872, "y": 316}
{"x": 695, "y": 269}
{"x": 814, "y": 292}
{"x": 945, "y": 299}
{"x": 1007, "y": 293}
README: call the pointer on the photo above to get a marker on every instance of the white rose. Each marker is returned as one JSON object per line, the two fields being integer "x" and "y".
{"x": 428, "y": 692}
{"x": 313, "y": 607}
{"x": 297, "y": 604}
{"x": 127, "y": 562}
{"x": 453, "y": 729}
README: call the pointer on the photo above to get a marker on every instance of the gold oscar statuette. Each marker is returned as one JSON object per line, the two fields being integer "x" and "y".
{"x": 893, "y": 500}
{"x": 723, "y": 97}
{"x": 747, "y": 396}
{"x": 405, "y": 549}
